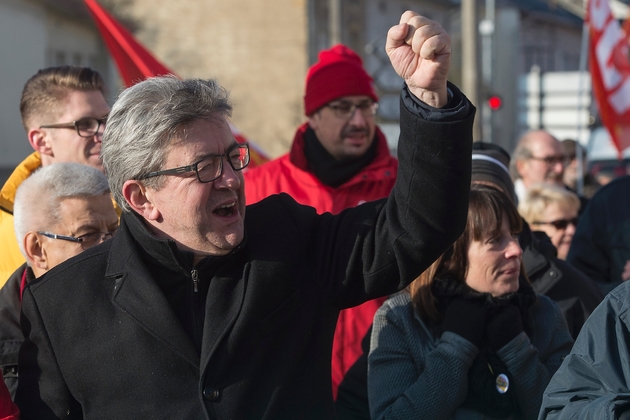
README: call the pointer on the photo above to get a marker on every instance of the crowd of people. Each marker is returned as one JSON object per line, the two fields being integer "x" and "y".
{"x": 450, "y": 283}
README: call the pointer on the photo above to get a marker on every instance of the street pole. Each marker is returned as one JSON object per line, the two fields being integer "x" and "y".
{"x": 470, "y": 79}
{"x": 334, "y": 21}
{"x": 486, "y": 29}
{"x": 582, "y": 72}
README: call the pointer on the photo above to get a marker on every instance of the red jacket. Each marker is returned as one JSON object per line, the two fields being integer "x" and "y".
{"x": 290, "y": 174}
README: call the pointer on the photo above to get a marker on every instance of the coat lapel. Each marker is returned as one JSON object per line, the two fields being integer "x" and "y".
{"x": 140, "y": 298}
{"x": 224, "y": 303}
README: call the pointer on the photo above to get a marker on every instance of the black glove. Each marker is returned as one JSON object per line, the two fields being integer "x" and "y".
{"x": 466, "y": 318}
{"x": 504, "y": 324}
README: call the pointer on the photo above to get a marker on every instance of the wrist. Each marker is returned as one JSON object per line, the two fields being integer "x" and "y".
{"x": 433, "y": 98}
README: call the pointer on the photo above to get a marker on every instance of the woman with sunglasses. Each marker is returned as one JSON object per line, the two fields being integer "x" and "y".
{"x": 553, "y": 210}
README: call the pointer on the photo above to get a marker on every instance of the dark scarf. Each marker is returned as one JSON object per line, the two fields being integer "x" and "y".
{"x": 447, "y": 289}
{"x": 483, "y": 395}
{"x": 327, "y": 169}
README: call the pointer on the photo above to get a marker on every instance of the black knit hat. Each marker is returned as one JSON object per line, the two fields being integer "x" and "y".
{"x": 490, "y": 163}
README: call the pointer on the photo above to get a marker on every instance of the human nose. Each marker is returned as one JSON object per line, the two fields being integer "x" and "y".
{"x": 229, "y": 177}
{"x": 513, "y": 249}
{"x": 357, "y": 117}
{"x": 98, "y": 137}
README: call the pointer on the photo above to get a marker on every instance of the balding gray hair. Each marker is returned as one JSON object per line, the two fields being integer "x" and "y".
{"x": 523, "y": 150}
{"x": 145, "y": 120}
{"x": 37, "y": 199}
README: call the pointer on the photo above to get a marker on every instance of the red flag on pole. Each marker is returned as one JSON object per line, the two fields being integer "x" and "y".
{"x": 610, "y": 71}
{"x": 135, "y": 63}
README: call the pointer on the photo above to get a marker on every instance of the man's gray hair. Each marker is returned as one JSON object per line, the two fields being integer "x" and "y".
{"x": 523, "y": 150}
{"x": 37, "y": 199}
{"x": 145, "y": 120}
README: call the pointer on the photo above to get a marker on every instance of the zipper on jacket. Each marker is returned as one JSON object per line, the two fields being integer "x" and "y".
{"x": 195, "y": 278}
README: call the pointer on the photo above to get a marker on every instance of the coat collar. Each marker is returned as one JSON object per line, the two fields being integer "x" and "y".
{"x": 21, "y": 172}
{"x": 25, "y": 169}
{"x": 298, "y": 158}
{"x": 137, "y": 293}
{"x": 538, "y": 256}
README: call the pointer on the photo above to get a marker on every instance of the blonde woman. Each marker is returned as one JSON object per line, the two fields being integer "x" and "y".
{"x": 553, "y": 210}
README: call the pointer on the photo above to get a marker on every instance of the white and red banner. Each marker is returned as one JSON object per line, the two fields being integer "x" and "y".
{"x": 610, "y": 71}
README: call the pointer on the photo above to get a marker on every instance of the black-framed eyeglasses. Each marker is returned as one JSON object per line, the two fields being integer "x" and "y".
{"x": 86, "y": 127}
{"x": 345, "y": 110}
{"x": 552, "y": 160}
{"x": 87, "y": 241}
{"x": 560, "y": 224}
{"x": 210, "y": 168}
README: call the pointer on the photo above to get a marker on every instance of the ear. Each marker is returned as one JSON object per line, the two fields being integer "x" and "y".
{"x": 520, "y": 166}
{"x": 35, "y": 253}
{"x": 40, "y": 141}
{"x": 138, "y": 197}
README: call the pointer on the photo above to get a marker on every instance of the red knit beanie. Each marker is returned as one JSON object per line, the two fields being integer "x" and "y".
{"x": 339, "y": 72}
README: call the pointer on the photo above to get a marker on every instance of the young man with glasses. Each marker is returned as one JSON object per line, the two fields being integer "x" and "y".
{"x": 195, "y": 311}
{"x": 339, "y": 159}
{"x": 63, "y": 111}
{"x": 60, "y": 211}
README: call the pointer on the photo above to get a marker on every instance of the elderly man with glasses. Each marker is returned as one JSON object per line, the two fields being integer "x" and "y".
{"x": 538, "y": 157}
{"x": 60, "y": 211}
{"x": 63, "y": 111}
{"x": 194, "y": 311}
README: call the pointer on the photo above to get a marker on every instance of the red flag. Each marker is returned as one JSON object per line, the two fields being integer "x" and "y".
{"x": 610, "y": 71}
{"x": 135, "y": 63}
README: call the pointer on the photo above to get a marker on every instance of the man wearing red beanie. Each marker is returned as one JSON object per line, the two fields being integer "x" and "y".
{"x": 339, "y": 159}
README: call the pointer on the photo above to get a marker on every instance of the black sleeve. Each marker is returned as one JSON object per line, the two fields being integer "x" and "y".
{"x": 457, "y": 107}
{"x": 375, "y": 250}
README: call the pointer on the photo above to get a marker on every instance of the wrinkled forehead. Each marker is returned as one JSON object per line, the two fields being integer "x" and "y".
{"x": 545, "y": 145}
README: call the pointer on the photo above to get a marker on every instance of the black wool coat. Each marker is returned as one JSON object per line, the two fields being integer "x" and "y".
{"x": 102, "y": 341}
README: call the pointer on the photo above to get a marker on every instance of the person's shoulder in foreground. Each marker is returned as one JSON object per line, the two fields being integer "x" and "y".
{"x": 593, "y": 382}
{"x": 601, "y": 245}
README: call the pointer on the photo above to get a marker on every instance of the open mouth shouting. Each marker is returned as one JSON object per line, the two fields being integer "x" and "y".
{"x": 226, "y": 210}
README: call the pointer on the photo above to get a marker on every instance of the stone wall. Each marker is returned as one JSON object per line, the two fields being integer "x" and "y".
{"x": 256, "y": 49}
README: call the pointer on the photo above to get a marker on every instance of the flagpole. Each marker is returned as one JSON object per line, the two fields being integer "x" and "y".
{"x": 581, "y": 90}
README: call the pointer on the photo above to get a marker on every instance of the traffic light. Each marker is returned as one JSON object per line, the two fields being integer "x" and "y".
{"x": 495, "y": 102}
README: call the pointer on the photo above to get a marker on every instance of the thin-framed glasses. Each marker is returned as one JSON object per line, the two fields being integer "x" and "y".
{"x": 210, "y": 168}
{"x": 552, "y": 160}
{"x": 345, "y": 110}
{"x": 86, "y": 127}
{"x": 560, "y": 224}
{"x": 87, "y": 241}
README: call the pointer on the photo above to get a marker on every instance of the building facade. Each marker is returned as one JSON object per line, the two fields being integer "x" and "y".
{"x": 35, "y": 34}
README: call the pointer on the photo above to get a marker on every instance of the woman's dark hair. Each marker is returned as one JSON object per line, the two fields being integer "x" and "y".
{"x": 486, "y": 208}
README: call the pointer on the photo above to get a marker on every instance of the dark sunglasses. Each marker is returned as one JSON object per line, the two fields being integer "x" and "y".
{"x": 559, "y": 224}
